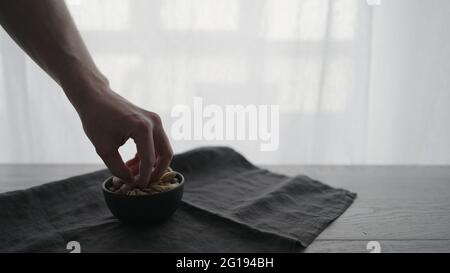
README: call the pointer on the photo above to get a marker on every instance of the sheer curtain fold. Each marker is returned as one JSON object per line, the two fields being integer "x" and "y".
{"x": 313, "y": 58}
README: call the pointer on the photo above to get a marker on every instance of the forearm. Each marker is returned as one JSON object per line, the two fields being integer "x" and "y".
{"x": 46, "y": 31}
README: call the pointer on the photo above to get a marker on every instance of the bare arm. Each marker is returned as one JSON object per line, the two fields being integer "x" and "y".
{"x": 45, "y": 30}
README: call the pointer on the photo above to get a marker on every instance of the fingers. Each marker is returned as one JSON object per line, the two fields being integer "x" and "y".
{"x": 133, "y": 161}
{"x": 162, "y": 163}
{"x": 154, "y": 152}
{"x": 114, "y": 162}
{"x": 133, "y": 165}
{"x": 146, "y": 151}
{"x": 165, "y": 154}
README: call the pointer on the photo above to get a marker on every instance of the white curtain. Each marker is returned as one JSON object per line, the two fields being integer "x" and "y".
{"x": 322, "y": 61}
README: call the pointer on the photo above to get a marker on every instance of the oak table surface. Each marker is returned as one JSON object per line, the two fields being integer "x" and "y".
{"x": 403, "y": 208}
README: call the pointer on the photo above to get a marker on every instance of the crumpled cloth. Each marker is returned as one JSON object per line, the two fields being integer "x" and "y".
{"x": 229, "y": 205}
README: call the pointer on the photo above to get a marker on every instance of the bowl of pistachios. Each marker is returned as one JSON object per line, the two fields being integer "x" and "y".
{"x": 142, "y": 206}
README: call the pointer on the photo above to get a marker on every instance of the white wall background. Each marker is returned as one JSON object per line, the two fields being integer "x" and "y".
{"x": 410, "y": 83}
{"x": 356, "y": 84}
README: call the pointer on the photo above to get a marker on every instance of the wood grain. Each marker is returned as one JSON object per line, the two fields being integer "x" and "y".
{"x": 22, "y": 176}
{"x": 392, "y": 246}
{"x": 393, "y": 203}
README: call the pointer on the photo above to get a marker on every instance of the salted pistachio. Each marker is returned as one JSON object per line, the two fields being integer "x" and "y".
{"x": 167, "y": 182}
{"x": 163, "y": 187}
{"x": 168, "y": 186}
{"x": 135, "y": 192}
{"x": 172, "y": 186}
{"x": 117, "y": 182}
{"x": 168, "y": 176}
{"x": 156, "y": 188}
{"x": 124, "y": 188}
{"x": 175, "y": 180}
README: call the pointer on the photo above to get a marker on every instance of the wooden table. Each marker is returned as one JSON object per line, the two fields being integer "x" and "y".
{"x": 404, "y": 209}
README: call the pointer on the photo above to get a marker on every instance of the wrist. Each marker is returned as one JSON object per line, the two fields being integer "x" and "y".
{"x": 83, "y": 87}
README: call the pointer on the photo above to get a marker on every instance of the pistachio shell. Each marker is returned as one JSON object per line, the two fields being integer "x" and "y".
{"x": 167, "y": 177}
{"x": 172, "y": 186}
{"x": 117, "y": 182}
{"x": 168, "y": 181}
{"x": 124, "y": 188}
{"x": 157, "y": 188}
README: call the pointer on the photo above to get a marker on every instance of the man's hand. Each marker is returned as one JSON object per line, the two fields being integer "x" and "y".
{"x": 109, "y": 121}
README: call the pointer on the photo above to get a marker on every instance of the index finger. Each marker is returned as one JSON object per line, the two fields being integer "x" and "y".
{"x": 114, "y": 162}
{"x": 146, "y": 151}
{"x": 164, "y": 152}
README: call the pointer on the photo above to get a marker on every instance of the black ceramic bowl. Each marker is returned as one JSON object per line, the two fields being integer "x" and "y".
{"x": 144, "y": 209}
